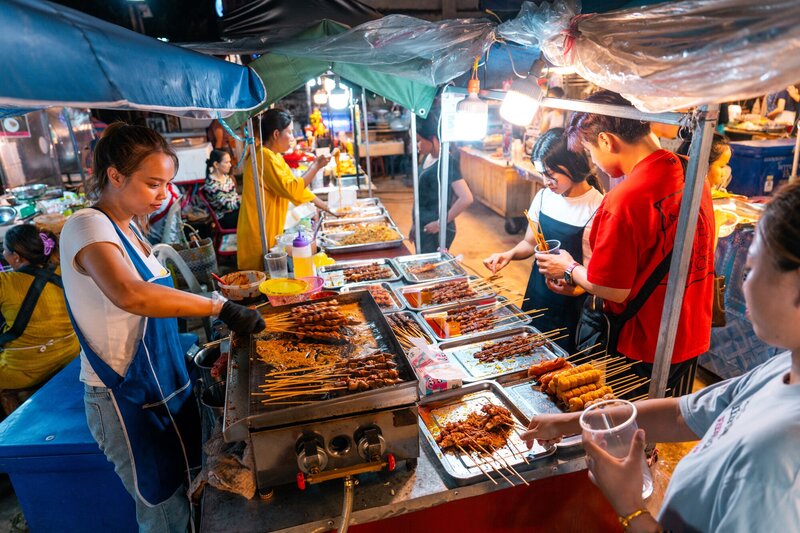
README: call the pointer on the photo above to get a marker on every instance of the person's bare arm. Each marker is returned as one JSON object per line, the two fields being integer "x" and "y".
{"x": 320, "y": 162}
{"x": 779, "y": 107}
{"x": 464, "y": 199}
{"x": 553, "y": 266}
{"x": 660, "y": 418}
{"x": 104, "y": 263}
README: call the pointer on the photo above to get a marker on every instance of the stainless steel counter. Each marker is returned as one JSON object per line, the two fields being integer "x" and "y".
{"x": 377, "y": 496}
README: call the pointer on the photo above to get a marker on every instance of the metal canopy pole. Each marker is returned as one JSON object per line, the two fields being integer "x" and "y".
{"x": 444, "y": 186}
{"x": 682, "y": 252}
{"x": 793, "y": 177}
{"x": 366, "y": 139}
{"x": 415, "y": 181}
{"x": 589, "y": 107}
{"x": 257, "y": 185}
{"x": 74, "y": 140}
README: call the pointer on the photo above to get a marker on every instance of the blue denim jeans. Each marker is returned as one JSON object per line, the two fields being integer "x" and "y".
{"x": 171, "y": 516}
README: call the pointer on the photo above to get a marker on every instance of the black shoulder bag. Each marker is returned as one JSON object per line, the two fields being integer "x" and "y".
{"x": 41, "y": 276}
{"x": 595, "y": 326}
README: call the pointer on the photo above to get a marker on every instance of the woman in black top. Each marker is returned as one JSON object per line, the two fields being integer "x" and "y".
{"x": 458, "y": 200}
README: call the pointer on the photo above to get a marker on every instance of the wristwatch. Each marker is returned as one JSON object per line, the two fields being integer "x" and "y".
{"x": 568, "y": 273}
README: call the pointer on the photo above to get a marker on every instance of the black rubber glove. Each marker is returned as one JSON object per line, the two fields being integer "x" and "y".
{"x": 241, "y": 319}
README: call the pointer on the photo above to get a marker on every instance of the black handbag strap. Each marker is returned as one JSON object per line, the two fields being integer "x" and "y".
{"x": 41, "y": 276}
{"x": 655, "y": 278}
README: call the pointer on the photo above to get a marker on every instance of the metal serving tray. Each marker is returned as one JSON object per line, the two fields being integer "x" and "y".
{"x": 450, "y": 270}
{"x": 462, "y": 352}
{"x": 526, "y": 394}
{"x": 409, "y": 302}
{"x": 397, "y": 305}
{"x": 456, "y": 404}
{"x": 331, "y": 274}
{"x": 369, "y": 211}
{"x": 507, "y": 311}
{"x": 245, "y": 413}
{"x": 332, "y": 225}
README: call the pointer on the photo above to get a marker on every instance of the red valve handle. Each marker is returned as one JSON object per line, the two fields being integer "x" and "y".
{"x": 391, "y": 462}
{"x": 301, "y": 481}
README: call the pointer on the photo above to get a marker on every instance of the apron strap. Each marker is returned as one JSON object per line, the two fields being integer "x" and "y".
{"x": 41, "y": 277}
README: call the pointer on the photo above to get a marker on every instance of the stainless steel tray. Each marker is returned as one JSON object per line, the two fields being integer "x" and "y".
{"x": 526, "y": 394}
{"x": 427, "y": 335}
{"x": 462, "y": 352}
{"x": 333, "y": 275}
{"x": 368, "y": 212}
{"x": 415, "y": 306}
{"x": 245, "y": 413}
{"x": 397, "y": 302}
{"x": 507, "y": 311}
{"x": 331, "y": 224}
{"x": 456, "y": 404}
{"x": 450, "y": 270}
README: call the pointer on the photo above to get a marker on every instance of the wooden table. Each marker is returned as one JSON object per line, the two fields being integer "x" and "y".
{"x": 498, "y": 185}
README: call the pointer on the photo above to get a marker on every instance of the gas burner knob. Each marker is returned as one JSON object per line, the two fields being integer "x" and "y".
{"x": 311, "y": 458}
{"x": 371, "y": 444}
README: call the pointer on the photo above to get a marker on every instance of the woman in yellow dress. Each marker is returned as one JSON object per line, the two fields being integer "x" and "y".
{"x": 37, "y": 339}
{"x": 278, "y": 187}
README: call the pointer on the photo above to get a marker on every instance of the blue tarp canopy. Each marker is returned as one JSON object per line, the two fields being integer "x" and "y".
{"x": 53, "y": 55}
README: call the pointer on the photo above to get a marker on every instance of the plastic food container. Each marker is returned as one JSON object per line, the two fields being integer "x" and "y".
{"x": 243, "y": 284}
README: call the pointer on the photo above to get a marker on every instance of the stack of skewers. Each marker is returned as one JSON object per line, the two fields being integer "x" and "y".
{"x": 300, "y": 386}
{"x": 471, "y": 318}
{"x": 481, "y": 436}
{"x": 518, "y": 345}
{"x": 538, "y": 236}
{"x": 321, "y": 321}
{"x": 367, "y": 273}
{"x": 405, "y": 329}
{"x": 577, "y": 386}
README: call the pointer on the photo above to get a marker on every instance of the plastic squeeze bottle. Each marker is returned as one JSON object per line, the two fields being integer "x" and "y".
{"x": 301, "y": 256}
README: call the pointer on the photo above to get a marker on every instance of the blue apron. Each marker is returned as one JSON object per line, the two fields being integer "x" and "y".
{"x": 562, "y": 311}
{"x": 154, "y": 399}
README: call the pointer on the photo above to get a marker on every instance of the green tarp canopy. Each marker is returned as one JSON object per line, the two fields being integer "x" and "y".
{"x": 283, "y": 74}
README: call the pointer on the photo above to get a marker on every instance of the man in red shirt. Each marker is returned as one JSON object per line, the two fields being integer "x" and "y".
{"x": 633, "y": 230}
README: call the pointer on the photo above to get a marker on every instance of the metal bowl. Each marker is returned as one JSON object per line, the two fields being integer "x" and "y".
{"x": 7, "y": 215}
{"x": 28, "y": 192}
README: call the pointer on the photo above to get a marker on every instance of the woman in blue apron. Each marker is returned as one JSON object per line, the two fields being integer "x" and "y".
{"x": 563, "y": 209}
{"x": 138, "y": 396}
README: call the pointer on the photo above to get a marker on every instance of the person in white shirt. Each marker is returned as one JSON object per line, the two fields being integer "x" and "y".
{"x": 744, "y": 474}
{"x": 563, "y": 209}
{"x": 140, "y": 407}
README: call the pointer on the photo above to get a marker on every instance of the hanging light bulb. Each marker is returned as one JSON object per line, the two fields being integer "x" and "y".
{"x": 339, "y": 97}
{"x": 320, "y": 96}
{"x": 472, "y": 113}
{"x": 523, "y": 97}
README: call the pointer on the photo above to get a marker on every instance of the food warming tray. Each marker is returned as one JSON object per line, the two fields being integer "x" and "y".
{"x": 330, "y": 226}
{"x": 461, "y": 351}
{"x": 455, "y": 404}
{"x": 397, "y": 302}
{"x": 449, "y": 270}
{"x": 333, "y": 275}
{"x": 414, "y": 305}
{"x": 507, "y": 311}
{"x": 245, "y": 413}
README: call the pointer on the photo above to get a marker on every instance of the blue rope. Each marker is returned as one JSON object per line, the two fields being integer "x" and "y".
{"x": 247, "y": 139}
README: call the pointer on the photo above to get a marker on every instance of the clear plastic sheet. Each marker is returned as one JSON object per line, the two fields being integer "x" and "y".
{"x": 432, "y": 53}
{"x": 675, "y": 54}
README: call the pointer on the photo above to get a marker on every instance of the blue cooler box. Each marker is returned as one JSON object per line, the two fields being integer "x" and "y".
{"x": 62, "y": 480}
{"x": 759, "y": 167}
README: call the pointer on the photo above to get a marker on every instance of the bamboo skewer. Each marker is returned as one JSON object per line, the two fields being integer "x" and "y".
{"x": 582, "y": 351}
{"x": 633, "y": 387}
{"x": 493, "y": 480}
{"x": 492, "y": 456}
{"x": 538, "y": 236}
{"x": 639, "y": 398}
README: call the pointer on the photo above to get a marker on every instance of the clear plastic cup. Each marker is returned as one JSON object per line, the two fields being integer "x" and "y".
{"x": 277, "y": 264}
{"x": 611, "y": 424}
{"x": 553, "y": 247}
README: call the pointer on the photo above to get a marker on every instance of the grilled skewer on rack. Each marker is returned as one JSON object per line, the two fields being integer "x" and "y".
{"x": 521, "y": 344}
{"x": 367, "y": 273}
{"x": 489, "y": 429}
